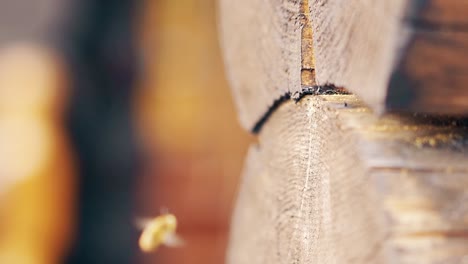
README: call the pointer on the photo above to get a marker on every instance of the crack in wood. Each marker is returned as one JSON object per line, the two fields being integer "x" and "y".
{"x": 296, "y": 97}
{"x": 258, "y": 126}
{"x": 308, "y": 81}
{"x": 307, "y": 47}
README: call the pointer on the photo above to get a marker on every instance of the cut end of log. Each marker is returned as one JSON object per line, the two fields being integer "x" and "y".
{"x": 330, "y": 182}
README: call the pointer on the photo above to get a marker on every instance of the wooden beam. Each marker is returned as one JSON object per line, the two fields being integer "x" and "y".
{"x": 329, "y": 182}
{"x": 396, "y": 55}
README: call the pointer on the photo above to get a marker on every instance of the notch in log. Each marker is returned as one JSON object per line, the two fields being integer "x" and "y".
{"x": 396, "y": 55}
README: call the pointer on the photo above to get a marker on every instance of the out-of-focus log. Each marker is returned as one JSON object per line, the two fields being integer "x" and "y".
{"x": 395, "y": 54}
{"x": 36, "y": 174}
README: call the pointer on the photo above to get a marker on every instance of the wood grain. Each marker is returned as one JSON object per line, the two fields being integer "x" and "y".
{"x": 261, "y": 41}
{"x": 329, "y": 182}
{"x": 395, "y": 55}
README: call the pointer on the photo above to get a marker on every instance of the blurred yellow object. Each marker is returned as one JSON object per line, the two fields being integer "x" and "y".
{"x": 36, "y": 176}
{"x": 26, "y": 144}
{"x": 159, "y": 231}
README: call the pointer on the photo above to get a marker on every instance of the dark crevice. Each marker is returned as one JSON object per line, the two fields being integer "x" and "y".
{"x": 415, "y": 18}
{"x": 258, "y": 126}
{"x": 296, "y": 97}
{"x": 318, "y": 90}
{"x": 425, "y": 25}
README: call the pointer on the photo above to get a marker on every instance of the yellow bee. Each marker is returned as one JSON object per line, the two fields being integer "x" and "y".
{"x": 159, "y": 231}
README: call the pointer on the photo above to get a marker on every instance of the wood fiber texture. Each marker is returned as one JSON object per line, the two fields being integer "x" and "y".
{"x": 396, "y": 55}
{"x": 329, "y": 182}
{"x": 261, "y": 41}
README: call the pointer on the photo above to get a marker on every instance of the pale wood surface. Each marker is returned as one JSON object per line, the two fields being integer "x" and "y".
{"x": 329, "y": 182}
{"x": 261, "y": 41}
{"x": 395, "y": 55}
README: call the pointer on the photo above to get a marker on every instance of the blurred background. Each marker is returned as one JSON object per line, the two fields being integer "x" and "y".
{"x": 112, "y": 111}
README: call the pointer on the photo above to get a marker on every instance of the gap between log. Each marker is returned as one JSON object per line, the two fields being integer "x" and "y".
{"x": 296, "y": 97}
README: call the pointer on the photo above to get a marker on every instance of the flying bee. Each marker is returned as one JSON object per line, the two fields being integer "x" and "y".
{"x": 159, "y": 231}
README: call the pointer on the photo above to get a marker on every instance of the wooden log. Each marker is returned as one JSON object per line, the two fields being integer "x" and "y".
{"x": 395, "y": 55}
{"x": 445, "y": 13}
{"x": 329, "y": 182}
{"x": 261, "y": 40}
